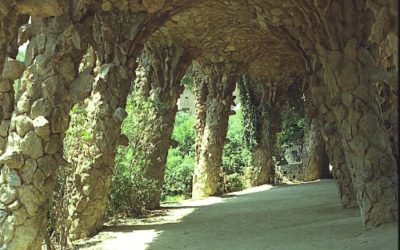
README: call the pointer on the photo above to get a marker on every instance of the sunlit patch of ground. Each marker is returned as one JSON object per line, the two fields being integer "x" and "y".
{"x": 126, "y": 233}
{"x": 290, "y": 216}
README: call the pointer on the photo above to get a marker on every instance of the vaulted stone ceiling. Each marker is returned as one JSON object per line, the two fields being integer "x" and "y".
{"x": 234, "y": 31}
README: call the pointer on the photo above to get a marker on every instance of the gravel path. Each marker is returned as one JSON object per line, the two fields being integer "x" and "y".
{"x": 302, "y": 216}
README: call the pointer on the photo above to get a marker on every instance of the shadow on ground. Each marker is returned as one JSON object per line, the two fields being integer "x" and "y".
{"x": 300, "y": 216}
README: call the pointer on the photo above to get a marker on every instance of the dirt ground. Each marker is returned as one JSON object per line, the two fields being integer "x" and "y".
{"x": 301, "y": 216}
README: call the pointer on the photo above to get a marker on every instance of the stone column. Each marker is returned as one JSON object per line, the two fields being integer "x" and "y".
{"x": 164, "y": 66}
{"x": 325, "y": 117}
{"x": 261, "y": 156}
{"x": 12, "y": 70}
{"x": 340, "y": 171}
{"x": 345, "y": 47}
{"x": 220, "y": 85}
{"x": 93, "y": 161}
{"x": 265, "y": 98}
{"x": 4, "y": 35}
{"x": 34, "y": 148}
{"x": 89, "y": 184}
{"x": 364, "y": 139}
{"x": 200, "y": 95}
{"x": 315, "y": 159}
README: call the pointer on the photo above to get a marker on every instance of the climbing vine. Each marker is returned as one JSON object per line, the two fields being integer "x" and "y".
{"x": 251, "y": 114}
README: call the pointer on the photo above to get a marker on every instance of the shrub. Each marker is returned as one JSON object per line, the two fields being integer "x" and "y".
{"x": 130, "y": 190}
{"x": 235, "y": 155}
{"x": 180, "y": 162}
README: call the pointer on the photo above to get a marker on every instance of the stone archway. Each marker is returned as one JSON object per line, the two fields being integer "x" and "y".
{"x": 348, "y": 46}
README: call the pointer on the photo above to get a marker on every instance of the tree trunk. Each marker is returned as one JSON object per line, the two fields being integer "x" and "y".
{"x": 34, "y": 149}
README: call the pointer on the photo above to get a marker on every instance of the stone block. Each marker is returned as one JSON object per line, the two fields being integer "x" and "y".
{"x": 38, "y": 178}
{"x": 31, "y": 145}
{"x": 24, "y": 104}
{"x": 80, "y": 88}
{"x": 120, "y": 114}
{"x": 12, "y": 159}
{"x": 13, "y": 69}
{"x": 7, "y": 194}
{"x": 49, "y": 86}
{"x": 13, "y": 179}
{"x": 30, "y": 198}
{"x": 23, "y": 124}
{"x": 40, "y": 107}
{"x": 42, "y": 127}
{"x": 4, "y": 126}
{"x": 153, "y": 6}
{"x": 43, "y": 8}
{"x": 53, "y": 145}
{"x": 6, "y": 86}
{"x": 48, "y": 165}
{"x": 58, "y": 121}
{"x": 28, "y": 171}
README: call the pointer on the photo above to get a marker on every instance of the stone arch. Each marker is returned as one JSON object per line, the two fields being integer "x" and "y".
{"x": 348, "y": 45}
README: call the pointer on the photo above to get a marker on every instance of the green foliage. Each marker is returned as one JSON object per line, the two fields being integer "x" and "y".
{"x": 292, "y": 128}
{"x": 184, "y": 133}
{"x": 21, "y": 54}
{"x": 235, "y": 155}
{"x": 77, "y": 129}
{"x": 233, "y": 182}
{"x": 187, "y": 80}
{"x": 179, "y": 174}
{"x": 250, "y": 113}
{"x": 58, "y": 213}
{"x": 130, "y": 190}
{"x": 180, "y": 162}
{"x": 292, "y": 121}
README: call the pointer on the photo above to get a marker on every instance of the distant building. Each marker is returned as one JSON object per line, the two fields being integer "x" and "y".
{"x": 187, "y": 102}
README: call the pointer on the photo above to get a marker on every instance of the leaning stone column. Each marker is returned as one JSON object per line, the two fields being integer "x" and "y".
{"x": 4, "y": 36}
{"x": 315, "y": 159}
{"x": 261, "y": 156}
{"x": 341, "y": 172}
{"x": 328, "y": 128}
{"x": 93, "y": 163}
{"x": 220, "y": 85}
{"x": 365, "y": 140}
{"x": 200, "y": 95}
{"x": 165, "y": 66}
{"x": 262, "y": 105}
{"x": 12, "y": 70}
{"x": 34, "y": 148}
{"x": 89, "y": 184}
{"x": 349, "y": 67}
